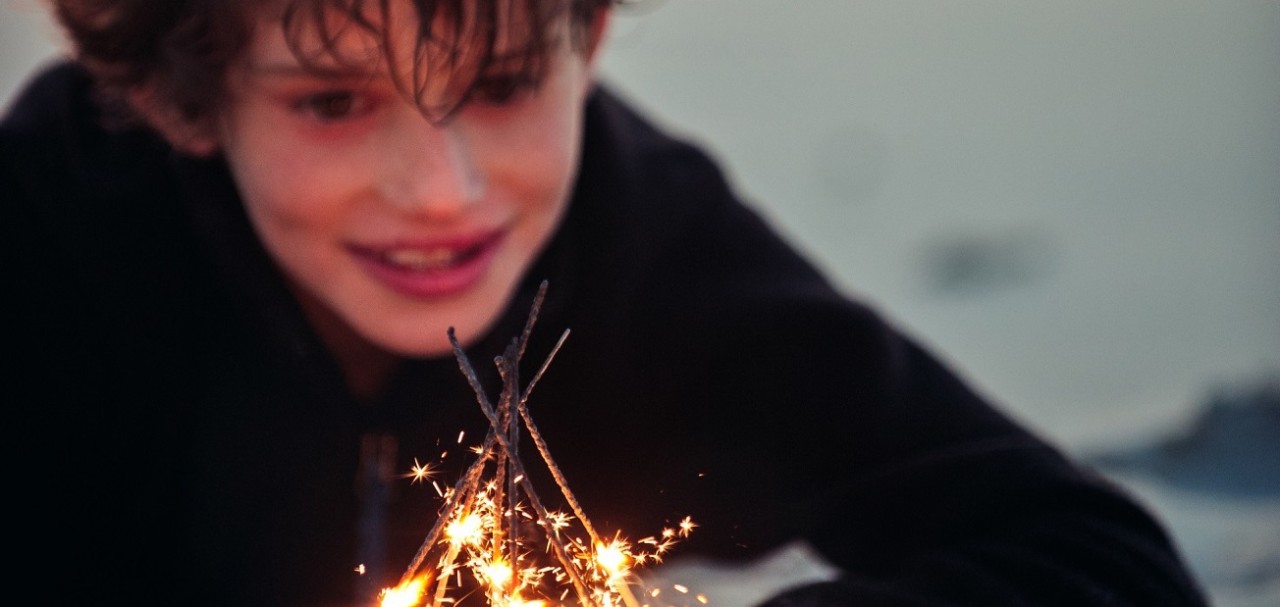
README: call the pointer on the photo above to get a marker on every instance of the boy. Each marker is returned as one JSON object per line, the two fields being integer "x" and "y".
{"x": 240, "y": 304}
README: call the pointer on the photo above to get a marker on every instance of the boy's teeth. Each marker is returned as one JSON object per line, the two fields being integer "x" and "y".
{"x": 419, "y": 259}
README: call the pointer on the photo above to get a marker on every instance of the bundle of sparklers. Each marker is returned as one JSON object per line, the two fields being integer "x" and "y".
{"x": 496, "y": 540}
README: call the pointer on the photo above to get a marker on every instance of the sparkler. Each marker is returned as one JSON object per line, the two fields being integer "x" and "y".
{"x": 486, "y": 539}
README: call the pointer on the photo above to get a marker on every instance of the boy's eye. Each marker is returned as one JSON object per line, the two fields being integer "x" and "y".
{"x": 331, "y": 105}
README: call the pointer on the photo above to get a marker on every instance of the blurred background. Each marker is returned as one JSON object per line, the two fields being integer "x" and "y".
{"x": 1075, "y": 202}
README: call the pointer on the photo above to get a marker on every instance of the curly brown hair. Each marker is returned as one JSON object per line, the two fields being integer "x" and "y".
{"x": 181, "y": 49}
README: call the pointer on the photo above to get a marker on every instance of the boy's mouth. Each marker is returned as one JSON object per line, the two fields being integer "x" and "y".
{"x": 426, "y": 260}
{"x": 429, "y": 258}
{"x": 430, "y": 269}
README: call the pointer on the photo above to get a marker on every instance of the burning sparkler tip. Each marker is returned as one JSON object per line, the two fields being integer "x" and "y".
{"x": 492, "y": 516}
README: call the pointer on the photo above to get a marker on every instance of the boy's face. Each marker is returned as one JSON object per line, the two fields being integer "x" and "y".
{"x": 390, "y": 228}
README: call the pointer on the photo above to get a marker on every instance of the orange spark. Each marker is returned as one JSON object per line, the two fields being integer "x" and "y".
{"x": 405, "y": 595}
{"x": 419, "y": 472}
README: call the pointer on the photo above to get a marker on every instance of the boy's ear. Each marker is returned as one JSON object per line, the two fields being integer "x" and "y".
{"x": 192, "y": 137}
{"x": 595, "y": 36}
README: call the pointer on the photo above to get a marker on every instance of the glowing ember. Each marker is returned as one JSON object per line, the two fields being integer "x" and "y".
{"x": 495, "y": 538}
{"x": 405, "y": 595}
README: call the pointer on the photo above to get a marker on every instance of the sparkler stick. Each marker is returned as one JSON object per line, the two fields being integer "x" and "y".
{"x": 482, "y": 519}
{"x": 623, "y": 589}
{"x": 544, "y": 519}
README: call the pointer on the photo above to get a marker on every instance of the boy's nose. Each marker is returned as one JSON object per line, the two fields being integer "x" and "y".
{"x": 431, "y": 170}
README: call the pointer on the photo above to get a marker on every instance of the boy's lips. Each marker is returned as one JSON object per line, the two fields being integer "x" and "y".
{"x": 429, "y": 269}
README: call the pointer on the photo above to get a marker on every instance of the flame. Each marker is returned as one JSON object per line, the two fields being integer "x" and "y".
{"x": 613, "y": 557}
{"x": 497, "y": 573}
{"x": 408, "y": 594}
{"x": 466, "y": 530}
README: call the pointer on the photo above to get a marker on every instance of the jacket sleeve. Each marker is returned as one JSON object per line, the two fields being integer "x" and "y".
{"x": 965, "y": 507}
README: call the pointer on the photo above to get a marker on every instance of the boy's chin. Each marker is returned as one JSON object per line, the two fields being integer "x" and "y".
{"x": 430, "y": 340}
